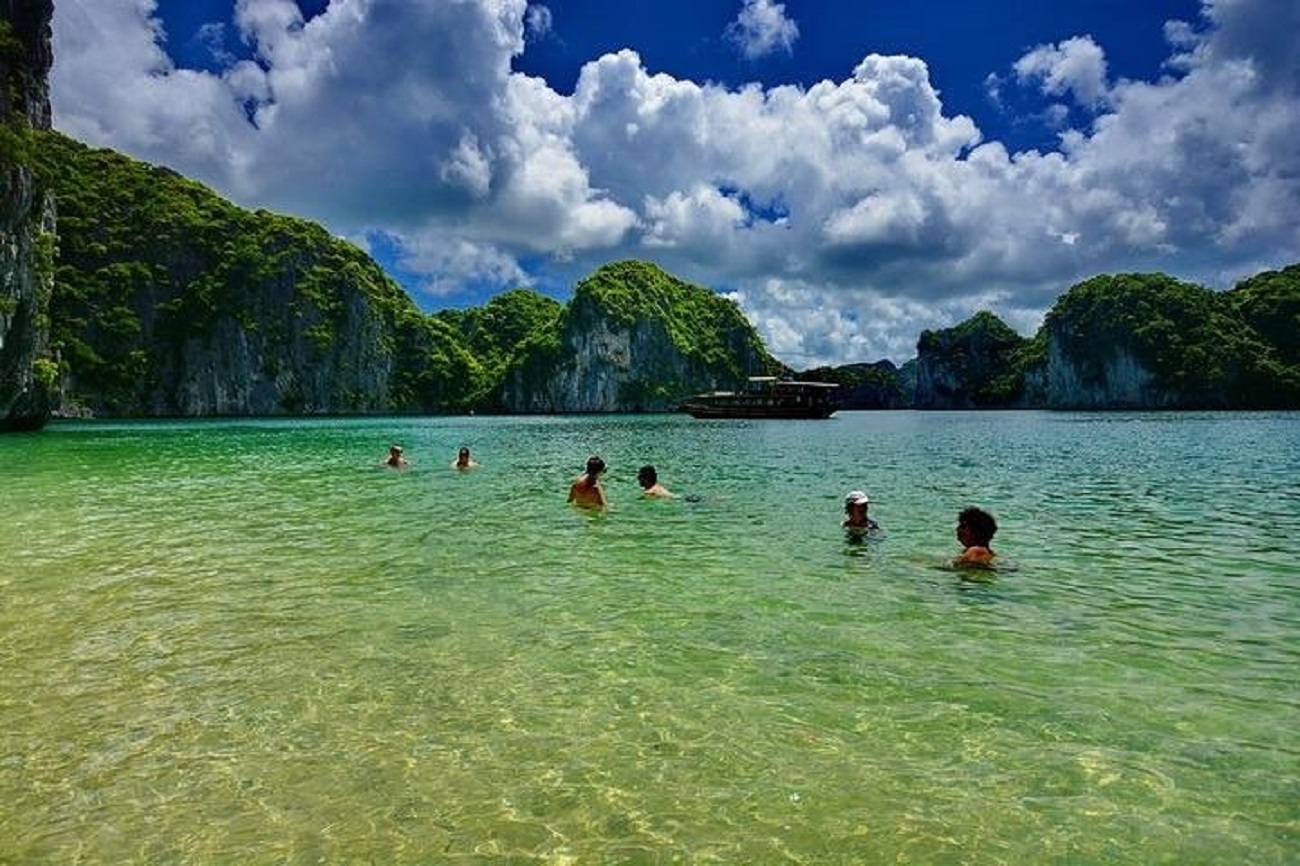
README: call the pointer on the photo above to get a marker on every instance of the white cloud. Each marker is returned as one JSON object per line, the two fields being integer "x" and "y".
{"x": 846, "y": 216}
{"x": 538, "y": 21}
{"x": 703, "y": 217}
{"x": 450, "y": 261}
{"x": 762, "y": 28}
{"x": 1076, "y": 67}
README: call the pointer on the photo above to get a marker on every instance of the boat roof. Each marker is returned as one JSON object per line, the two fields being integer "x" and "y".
{"x": 774, "y": 380}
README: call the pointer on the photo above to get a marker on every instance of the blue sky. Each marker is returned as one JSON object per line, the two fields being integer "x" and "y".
{"x": 849, "y": 172}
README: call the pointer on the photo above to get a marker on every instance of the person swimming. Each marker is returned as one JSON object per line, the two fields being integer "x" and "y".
{"x": 975, "y": 531}
{"x": 586, "y": 490}
{"x": 463, "y": 460}
{"x": 395, "y": 459}
{"x": 648, "y": 477}
{"x": 855, "y": 507}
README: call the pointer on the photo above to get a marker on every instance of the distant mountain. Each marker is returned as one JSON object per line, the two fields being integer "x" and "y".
{"x": 974, "y": 365}
{"x": 163, "y": 299}
{"x": 634, "y": 338}
{"x": 1128, "y": 341}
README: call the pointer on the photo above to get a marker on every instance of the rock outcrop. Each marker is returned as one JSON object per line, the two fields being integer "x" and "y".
{"x": 1127, "y": 341}
{"x": 173, "y": 302}
{"x": 970, "y": 366}
{"x": 634, "y": 339}
{"x": 27, "y": 376}
{"x": 1148, "y": 341}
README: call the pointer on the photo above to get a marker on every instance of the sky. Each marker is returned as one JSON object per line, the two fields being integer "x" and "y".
{"x": 850, "y": 172}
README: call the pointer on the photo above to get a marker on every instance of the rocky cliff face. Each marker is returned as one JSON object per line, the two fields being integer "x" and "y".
{"x": 969, "y": 366}
{"x": 634, "y": 339}
{"x": 26, "y": 218}
{"x": 172, "y": 301}
{"x": 1115, "y": 380}
{"x": 278, "y": 353}
{"x": 1128, "y": 341}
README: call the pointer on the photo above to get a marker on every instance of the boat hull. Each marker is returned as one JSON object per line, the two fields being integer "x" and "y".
{"x": 793, "y": 412}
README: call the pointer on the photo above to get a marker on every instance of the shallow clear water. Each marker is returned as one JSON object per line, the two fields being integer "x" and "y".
{"x": 243, "y": 641}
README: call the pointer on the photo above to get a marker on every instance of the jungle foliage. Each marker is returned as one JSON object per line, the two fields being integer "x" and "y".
{"x": 1205, "y": 349}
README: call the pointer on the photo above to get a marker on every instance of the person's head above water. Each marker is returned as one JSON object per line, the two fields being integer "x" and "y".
{"x": 856, "y": 498}
{"x": 647, "y": 477}
{"x": 595, "y": 466}
{"x": 975, "y": 527}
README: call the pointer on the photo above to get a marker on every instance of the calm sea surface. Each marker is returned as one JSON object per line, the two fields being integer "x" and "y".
{"x": 244, "y": 642}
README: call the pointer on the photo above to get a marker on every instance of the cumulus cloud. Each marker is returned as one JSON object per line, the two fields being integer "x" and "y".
{"x": 762, "y": 28}
{"x": 447, "y": 259}
{"x": 1075, "y": 67}
{"x": 845, "y": 216}
{"x": 538, "y": 21}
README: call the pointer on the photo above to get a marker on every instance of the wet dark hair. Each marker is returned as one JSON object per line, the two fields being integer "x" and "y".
{"x": 646, "y": 476}
{"x": 464, "y": 452}
{"x": 980, "y": 523}
{"x": 595, "y": 465}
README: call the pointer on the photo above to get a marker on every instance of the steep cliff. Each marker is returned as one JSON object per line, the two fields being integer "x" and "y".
{"x": 634, "y": 339}
{"x": 172, "y": 301}
{"x": 26, "y": 217}
{"x": 1148, "y": 341}
{"x": 1127, "y": 341}
{"x": 975, "y": 365}
{"x": 497, "y": 332}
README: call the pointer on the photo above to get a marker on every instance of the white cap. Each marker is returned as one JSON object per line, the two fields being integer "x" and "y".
{"x": 857, "y": 497}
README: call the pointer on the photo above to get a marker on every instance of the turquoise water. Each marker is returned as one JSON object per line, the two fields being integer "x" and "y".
{"x": 244, "y": 642}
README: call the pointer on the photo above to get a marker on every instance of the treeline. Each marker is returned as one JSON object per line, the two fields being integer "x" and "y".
{"x": 1128, "y": 341}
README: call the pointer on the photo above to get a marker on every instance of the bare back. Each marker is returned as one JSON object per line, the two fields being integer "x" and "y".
{"x": 585, "y": 492}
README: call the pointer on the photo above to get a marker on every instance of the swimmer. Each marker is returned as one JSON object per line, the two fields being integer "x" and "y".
{"x": 463, "y": 461}
{"x": 648, "y": 478}
{"x": 395, "y": 459}
{"x": 586, "y": 490}
{"x": 857, "y": 522}
{"x": 975, "y": 530}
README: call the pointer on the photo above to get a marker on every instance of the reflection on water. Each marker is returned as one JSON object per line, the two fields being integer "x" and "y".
{"x": 244, "y": 641}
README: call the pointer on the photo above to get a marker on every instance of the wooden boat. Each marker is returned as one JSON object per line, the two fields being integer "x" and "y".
{"x": 766, "y": 397}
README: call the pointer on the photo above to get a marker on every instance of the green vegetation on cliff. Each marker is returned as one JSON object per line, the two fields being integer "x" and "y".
{"x": 634, "y": 337}
{"x": 26, "y": 218}
{"x": 976, "y": 364}
{"x": 1194, "y": 341}
{"x": 496, "y": 332}
{"x": 879, "y": 385}
{"x": 1270, "y": 303}
{"x": 171, "y": 300}
{"x": 702, "y": 324}
{"x": 151, "y": 264}
{"x": 1131, "y": 341}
